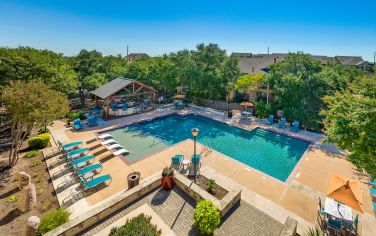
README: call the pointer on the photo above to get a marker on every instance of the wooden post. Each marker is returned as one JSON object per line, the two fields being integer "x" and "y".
{"x": 96, "y": 101}
{"x": 107, "y": 107}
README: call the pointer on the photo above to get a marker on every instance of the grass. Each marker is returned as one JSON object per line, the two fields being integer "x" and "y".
{"x": 45, "y": 207}
{"x": 13, "y": 198}
{"x": 32, "y": 153}
{"x": 35, "y": 163}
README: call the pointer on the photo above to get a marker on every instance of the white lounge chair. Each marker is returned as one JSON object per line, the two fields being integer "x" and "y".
{"x": 107, "y": 142}
{"x": 114, "y": 146}
{"x": 104, "y": 136}
{"x": 120, "y": 152}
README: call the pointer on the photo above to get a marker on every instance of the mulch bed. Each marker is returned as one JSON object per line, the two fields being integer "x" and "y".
{"x": 12, "y": 220}
{"x": 218, "y": 192}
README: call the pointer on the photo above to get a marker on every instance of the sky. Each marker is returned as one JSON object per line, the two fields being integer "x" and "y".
{"x": 156, "y": 27}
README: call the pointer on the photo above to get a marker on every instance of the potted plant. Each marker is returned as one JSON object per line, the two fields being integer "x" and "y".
{"x": 167, "y": 178}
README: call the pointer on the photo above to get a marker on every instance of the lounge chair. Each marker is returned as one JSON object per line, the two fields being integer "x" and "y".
{"x": 282, "y": 123}
{"x": 372, "y": 182}
{"x": 92, "y": 121}
{"x": 69, "y": 146}
{"x": 176, "y": 161}
{"x": 104, "y": 136}
{"x": 334, "y": 224}
{"x": 195, "y": 163}
{"x": 270, "y": 119}
{"x": 88, "y": 171}
{"x": 114, "y": 146}
{"x": 295, "y": 126}
{"x": 108, "y": 141}
{"x": 77, "y": 124}
{"x": 374, "y": 206}
{"x": 82, "y": 161}
{"x": 373, "y": 191}
{"x": 120, "y": 152}
{"x": 95, "y": 182}
{"x": 76, "y": 153}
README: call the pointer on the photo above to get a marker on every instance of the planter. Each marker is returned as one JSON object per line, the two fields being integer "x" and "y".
{"x": 167, "y": 182}
{"x": 229, "y": 114}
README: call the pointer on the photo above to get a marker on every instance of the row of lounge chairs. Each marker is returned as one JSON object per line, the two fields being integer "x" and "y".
{"x": 111, "y": 144}
{"x": 82, "y": 165}
{"x": 282, "y": 123}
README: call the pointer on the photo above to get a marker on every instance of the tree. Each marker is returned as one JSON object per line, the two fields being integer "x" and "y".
{"x": 28, "y": 104}
{"x": 27, "y": 64}
{"x": 249, "y": 82}
{"x": 350, "y": 122}
{"x": 93, "y": 81}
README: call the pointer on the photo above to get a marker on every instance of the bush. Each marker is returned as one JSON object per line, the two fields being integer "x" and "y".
{"x": 52, "y": 220}
{"x": 12, "y": 198}
{"x": 139, "y": 225}
{"x": 40, "y": 141}
{"x": 32, "y": 153}
{"x": 210, "y": 184}
{"x": 74, "y": 115}
{"x": 206, "y": 217}
{"x": 263, "y": 109}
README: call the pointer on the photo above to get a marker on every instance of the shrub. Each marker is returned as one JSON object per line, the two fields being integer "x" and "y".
{"x": 168, "y": 171}
{"x": 210, "y": 184}
{"x": 52, "y": 220}
{"x": 74, "y": 115}
{"x": 43, "y": 130}
{"x": 263, "y": 109}
{"x": 32, "y": 153}
{"x": 40, "y": 141}
{"x": 206, "y": 217}
{"x": 139, "y": 225}
{"x": 13, "y": 198}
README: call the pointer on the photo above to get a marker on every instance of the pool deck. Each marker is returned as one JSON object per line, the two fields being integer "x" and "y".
{"x": 297, "y": 197}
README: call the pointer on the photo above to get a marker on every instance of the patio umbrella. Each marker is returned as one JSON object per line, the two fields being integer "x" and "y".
{"x": 345, "y": 191}
{"x": 246, "y": 105}
{"x": 179, "y": 97}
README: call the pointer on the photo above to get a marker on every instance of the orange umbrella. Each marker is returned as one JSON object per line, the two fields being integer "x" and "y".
{"x": 345, "y": 191}
{"x": 246, "y": 104}
{"x": 179, "y": 96}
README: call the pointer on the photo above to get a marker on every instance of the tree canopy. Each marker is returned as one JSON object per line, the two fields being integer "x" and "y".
{"x": 350, "y": 122}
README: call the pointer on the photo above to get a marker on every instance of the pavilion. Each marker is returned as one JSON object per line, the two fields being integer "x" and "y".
{"x": 122, "y": 88}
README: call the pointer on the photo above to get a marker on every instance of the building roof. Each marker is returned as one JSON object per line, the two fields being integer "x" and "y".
{"x": 135, "y": 56}
{"x": 112, "y": 87}
{"x": 257, "y": 63}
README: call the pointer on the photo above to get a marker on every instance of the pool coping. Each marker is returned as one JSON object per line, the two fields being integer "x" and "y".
{"x": 189, "y": 113}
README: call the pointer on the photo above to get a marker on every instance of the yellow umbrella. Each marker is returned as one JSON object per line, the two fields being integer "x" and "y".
{"x": 179, "y": 97}
{"x": 345, "y": 191}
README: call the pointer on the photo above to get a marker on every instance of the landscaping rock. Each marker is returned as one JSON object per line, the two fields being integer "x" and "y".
{"x": 29, "y": 198}
{"x": 32, "y": 225}
{"x": 23, "y": 179}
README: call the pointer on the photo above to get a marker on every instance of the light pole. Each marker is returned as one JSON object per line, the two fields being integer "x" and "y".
{"x": 194, "y": 134}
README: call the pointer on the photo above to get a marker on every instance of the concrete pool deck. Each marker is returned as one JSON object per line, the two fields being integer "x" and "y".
{"x": 297, "y": 197}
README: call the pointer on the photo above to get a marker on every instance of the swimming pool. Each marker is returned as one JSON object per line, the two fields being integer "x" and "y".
{"x": 269, "y": 152}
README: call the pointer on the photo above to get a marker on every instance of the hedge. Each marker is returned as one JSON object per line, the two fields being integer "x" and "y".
{"x": 139, "y": 225}
{"x": 52, "y": 220}
{"x": 40, "y": 141}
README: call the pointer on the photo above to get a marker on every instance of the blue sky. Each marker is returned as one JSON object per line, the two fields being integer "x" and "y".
{"x": 318, "y": 27}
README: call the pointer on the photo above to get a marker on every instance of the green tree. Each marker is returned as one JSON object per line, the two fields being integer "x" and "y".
{"x": 93, "y": 81}
{"x": 350, "y": 122}
{"x": 27, "y": 64}
{"x": 28, "y": 104}
{"x": 162, "y": 74}
{"x": 249, "y": 82}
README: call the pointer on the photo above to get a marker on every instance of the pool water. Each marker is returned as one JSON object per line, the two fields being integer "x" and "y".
{"x": 269, "y": 152}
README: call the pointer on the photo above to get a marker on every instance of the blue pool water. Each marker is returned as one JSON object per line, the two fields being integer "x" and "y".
{"x": 271, "y": 153}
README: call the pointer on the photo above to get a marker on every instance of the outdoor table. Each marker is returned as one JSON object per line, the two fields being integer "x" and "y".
{"x": 338, "y": 209}
{"x": 185, "y": 163}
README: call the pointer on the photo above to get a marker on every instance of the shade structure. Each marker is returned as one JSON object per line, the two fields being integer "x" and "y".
{"x": 246, "y": 104}
{"x": 345, "y": 191}
{"x": 179, "y": 97}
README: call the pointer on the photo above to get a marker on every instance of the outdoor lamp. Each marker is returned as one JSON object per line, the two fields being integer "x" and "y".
{"x": 195, "y": 132}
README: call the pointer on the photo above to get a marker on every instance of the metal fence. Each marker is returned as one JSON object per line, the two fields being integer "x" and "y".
{"x": 220, "y": 105}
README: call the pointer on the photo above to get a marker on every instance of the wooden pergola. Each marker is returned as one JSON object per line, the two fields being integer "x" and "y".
{"x": 122, "y": 88}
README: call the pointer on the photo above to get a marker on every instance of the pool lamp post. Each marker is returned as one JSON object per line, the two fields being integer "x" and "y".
{"x": 194, "y": 134}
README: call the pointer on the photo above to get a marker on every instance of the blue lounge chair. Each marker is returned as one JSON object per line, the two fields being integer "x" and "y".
{"x": 77, "y": 153}
{"x": 82, "y": 161}
{"x": 295, "y": 126}
{"x": 77, "y": 124}
{"x": 176, "y": 161}
{"x": 270, "y": 119}
{"x": 88, "y": 171}
{"x": 282, "y": 123}
{"x": 97, "y": 112}
{"x": 334, "y": 224}
{"x": 95, "y": 182}
{"x": 372, "y": 182}
{"x": 69, "y": 146}
{"x": 372, "y": 191}
{"x": 92, "y": 121}
{"x": 374, "y": 206}
{"x": 195, "y": 163}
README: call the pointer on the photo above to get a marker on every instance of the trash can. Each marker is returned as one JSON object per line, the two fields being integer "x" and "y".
{"x": 133, "y": 179}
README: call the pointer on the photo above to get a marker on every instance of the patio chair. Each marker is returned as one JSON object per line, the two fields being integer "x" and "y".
{"x": 77, "y": 124}
{"x": 97, "y": 112}
{"x": 95, "y": 182}
{"x": 282, "y": 123}
{"x": 108, "y": 141}
{"x": 355, "y": 225}
{"x": 195, "y": 163}
{"x": 372, "y": 182}
{"x": 335, "y": 225}
{"x": 77, "y": 153}
{"x": 176, "y": 161}
{"x": 92, "y": 121}
{"x": 69, "y": 146}
{"x": 270, "y": 119}
{"x": 104, "y": 136}
{"x": 88, "y": 171}
{"x": 114, "y": 146}
{"x": 295, "y": 126}
{"x": 372, "y": 191}
{"x": 82, "y": 161}
{"x": 120, "y": 152}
